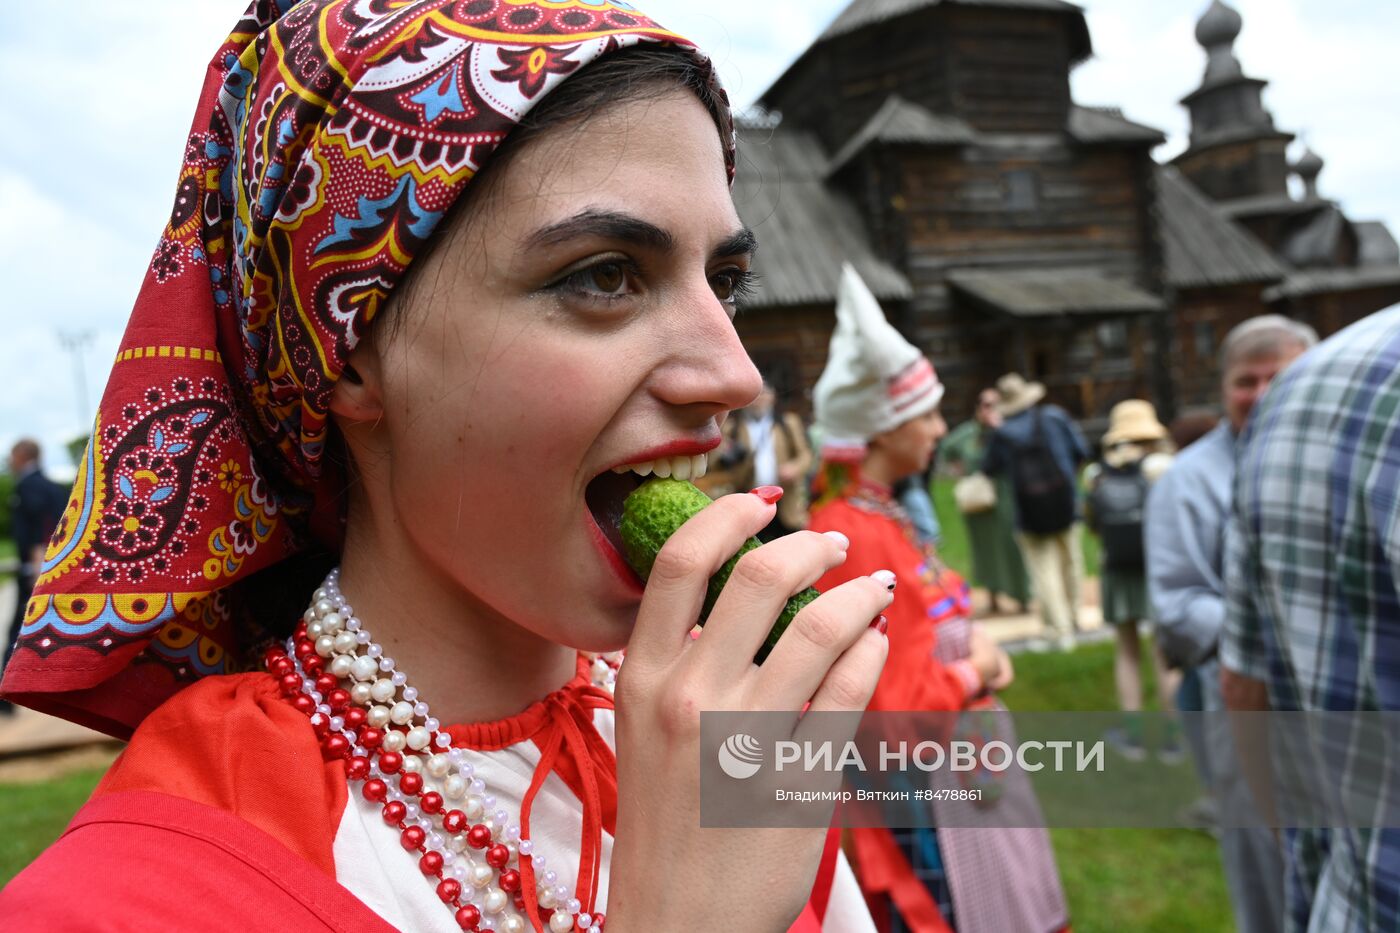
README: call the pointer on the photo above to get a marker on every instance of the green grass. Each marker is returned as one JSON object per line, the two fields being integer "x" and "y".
{"x": 953, "y": 547}
{"x": 34, "y": 815}
{"x": 1081, "y": 681}
{"x": 1142, "y": 880}
{"x": 1152, "y": 880}
{"x": 7, "y": 554}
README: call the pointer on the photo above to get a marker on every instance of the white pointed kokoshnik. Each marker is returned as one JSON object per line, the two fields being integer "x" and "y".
{"x": 874, "y": 380}
{"x": 471, "y": 847}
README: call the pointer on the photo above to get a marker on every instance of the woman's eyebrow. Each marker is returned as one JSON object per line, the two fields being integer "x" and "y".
{"x": 740, "y": 243}
{"x": 608, "y": 225}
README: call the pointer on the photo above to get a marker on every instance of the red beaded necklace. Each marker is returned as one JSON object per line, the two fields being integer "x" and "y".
{"x": 365, "y": 713}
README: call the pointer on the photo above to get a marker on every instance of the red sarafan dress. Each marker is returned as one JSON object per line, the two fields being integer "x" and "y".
{"x": 224, "y": 813}
{"x": 974, "y": 880}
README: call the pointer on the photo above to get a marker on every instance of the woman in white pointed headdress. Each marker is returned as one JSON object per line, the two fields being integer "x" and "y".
{"x": 877, "y": 408}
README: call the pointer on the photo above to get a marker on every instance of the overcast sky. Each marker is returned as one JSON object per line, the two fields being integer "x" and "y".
{"x": 97, "y": 102}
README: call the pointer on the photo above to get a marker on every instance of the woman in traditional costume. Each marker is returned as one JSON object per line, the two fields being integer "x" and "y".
{"x": 877, "y": 404}
{"x": 406, "y": 524}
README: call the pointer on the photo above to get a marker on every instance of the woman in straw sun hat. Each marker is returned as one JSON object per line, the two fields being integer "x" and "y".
{"x": 1136, "y": 451}
{"x": 1039, "y": 449}
{"x": 1018, "y": 394}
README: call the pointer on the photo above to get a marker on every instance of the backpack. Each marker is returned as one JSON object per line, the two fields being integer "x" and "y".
{"x": 1044, "y": 494}
{"x": 1117, "y": 502}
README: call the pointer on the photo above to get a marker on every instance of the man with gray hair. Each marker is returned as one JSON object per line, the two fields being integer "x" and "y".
{"x": 1313, "y": 595}
{"x": 1188, "y": 510}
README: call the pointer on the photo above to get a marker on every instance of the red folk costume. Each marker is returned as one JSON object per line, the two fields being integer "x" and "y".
{"x": 988, "y": 879}
{"x": 332, "y": 137}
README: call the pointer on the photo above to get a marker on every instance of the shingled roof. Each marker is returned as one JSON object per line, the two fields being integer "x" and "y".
{"x": 900, "y": 122}
{"x": 862, "y": 13}
{"x": 1257, "y": 205}
{"x": 1375, "y": 245}
{"x": 1051, "y": 292}
{"x": 1314, "y": 242}
{"x": 1203, "y": 247}
{"x": 1318, "y": 281}
{"x": 805, "y": 229}
{"x": 1098, "y": 125}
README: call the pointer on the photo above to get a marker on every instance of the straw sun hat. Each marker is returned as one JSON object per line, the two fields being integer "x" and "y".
{"x": 1017, "y": 394}
{"x": 1133, "y": 421}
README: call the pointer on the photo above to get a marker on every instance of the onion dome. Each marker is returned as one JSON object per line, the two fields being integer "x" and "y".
{"x": 1308, "y": 167}
{"x": 1220, "y": 25}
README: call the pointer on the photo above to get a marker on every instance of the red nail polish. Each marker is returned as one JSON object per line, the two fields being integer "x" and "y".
{"x": 769, "y": 494}
{"x": 880, "y": 624}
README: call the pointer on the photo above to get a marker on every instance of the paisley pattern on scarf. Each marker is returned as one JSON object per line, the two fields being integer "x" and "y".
{"x": 331, "y": 138}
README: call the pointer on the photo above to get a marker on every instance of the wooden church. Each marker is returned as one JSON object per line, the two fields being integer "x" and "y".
{"x": 935, "y": 145}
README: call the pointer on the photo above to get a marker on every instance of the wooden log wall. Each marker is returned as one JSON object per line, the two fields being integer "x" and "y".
{"x": 1334, "y": 311}
{"x": 1201, "y": 320}
{"x": 841, "y": 85}
{"x": 789, "y": 345}
{"x": 958, "y": 213}
{"x": 1008, "y": 70}
{"x": 1242, "y": 169}
{"x": 1000, "y": 70}
{"x": 951, "y": 212}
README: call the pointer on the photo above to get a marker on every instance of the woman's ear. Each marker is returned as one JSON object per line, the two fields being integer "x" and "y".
{"x": 358, "y": 395}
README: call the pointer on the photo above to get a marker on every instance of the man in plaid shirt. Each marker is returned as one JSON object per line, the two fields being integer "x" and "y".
{"x": 1313, "y": 617}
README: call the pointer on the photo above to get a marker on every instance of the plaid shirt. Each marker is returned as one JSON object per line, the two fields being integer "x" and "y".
{"x": 1312, "y": 567}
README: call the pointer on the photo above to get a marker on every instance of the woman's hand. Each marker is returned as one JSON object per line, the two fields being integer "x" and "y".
{"x": 1005, "y": 675}
{"x": 667, "y": 872}
{"x": 986, "y": 655}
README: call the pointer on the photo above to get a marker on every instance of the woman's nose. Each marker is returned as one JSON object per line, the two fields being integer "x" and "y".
{"x": 706, "y": 363}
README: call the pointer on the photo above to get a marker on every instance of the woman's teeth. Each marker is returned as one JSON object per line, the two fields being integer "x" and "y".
{"x": 675, "y": 467}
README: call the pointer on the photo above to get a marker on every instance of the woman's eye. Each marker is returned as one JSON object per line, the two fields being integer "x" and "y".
{"x": 732, "y": 285}
{"x": 607, "y": 277}
{"x": 606, "y": 280}
{"x": 724, "y": 286}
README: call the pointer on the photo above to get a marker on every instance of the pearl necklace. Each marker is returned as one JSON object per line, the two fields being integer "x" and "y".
{"x": 364, "y": 712}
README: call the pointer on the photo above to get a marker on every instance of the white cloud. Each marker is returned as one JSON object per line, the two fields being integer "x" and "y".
{"x": 751, "y": 41}
{"x": 98, "y": 105}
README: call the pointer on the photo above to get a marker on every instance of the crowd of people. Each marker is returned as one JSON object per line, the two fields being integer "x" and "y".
{"x": 294, "y": 474}
{"x": 1159, "y": 501}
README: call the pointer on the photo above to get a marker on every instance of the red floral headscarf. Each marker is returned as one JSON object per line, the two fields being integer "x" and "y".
{"x": 331, "y": 138}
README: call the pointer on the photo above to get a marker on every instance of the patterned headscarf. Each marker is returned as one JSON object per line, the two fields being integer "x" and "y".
{"x": 331, "y": 138}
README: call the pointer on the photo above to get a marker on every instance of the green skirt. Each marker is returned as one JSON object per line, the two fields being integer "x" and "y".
{"x": 1124, "y": 595}
{"x": 996, "y": 560}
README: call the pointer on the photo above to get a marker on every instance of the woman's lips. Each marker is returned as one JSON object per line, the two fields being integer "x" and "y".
{"x": 684, "y": 447}
{"x": 624, "y": 574}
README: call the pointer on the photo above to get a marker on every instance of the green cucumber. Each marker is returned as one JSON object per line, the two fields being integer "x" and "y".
{"x": 654, "y": 511}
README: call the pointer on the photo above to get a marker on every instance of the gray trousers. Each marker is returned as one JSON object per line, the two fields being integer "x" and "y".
{"x": 1252, "y": 860}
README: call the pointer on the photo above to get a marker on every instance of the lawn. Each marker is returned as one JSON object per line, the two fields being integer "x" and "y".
{"x": 33, "y": 815}
{"x": 1116, "y": 879}
{"x": 1121, "y": 879}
